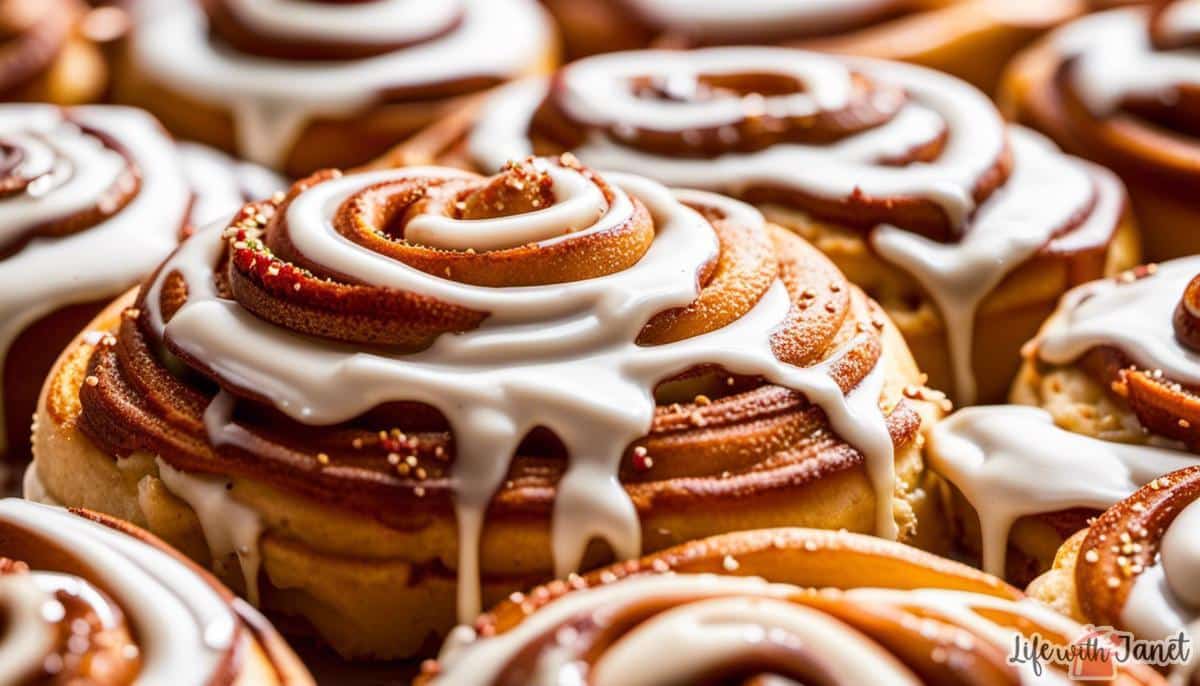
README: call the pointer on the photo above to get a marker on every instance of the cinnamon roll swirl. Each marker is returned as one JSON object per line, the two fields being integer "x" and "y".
{"x": 87, "y": 599}
{"x": 421, "y": 384}
{"x": 1112, "y": 377}
{"x": 1122, "y": 88}
{"x": 299, "y": 85}
{"x": 764, "y": 607}
{"x": 965, "y": 230}
{"x": 1134, "y": 567}
{"x": 91, "y": 199}
{"x": 972, "y": 39}
{"x": 46, "y": 54}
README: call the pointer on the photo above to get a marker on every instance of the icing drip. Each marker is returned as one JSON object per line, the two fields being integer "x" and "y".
{"x": 715, "y": 620}
{"x": 49, "y": 273}
{"x": 1047, "y": 200}
{"x": 1012, "y": 461}
{"x": 185, "y": 628}
{"x": 563, "y": 356}
{"x": 1115, "y": 58}
{"x": 1133, "y": 316}
{"x": 1046, "y": 192}
{"x": 230, "y": 528}
{"x": 495, "y": 38}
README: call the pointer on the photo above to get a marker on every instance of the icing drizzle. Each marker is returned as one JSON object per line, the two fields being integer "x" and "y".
{"x": 78, "y": 169}
{"x": 562, "y": 356}
{"x": 495, "y": 38}
{"x": 1000, "y": 211}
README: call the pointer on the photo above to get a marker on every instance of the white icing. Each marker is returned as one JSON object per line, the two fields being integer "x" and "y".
{"x": 1165, "y": 598}
{"x": 719, "y": 618}
{"x": 720, "y": 630}
{"x": 1115, "y": 58}
{"x": 27, "y": 635}
{"x": 1045, "y": 192}
{"x": 1012, "y": 461}
{"x": 1133, "y": 316}
{"x": 273, "y": 100}
{"x": 561, "y": 356}
{"x": 50, "y": 273}
{"x": 717, "y": 19}
{"x": 578, "y": 205}
{"x": 230, "y": 528}
{"x": 834, "y": 171}
{"x": 184, "y": 626}
{"x": 373, "y": 21}
{"x": 1181, "y": 19}
{"x": 598, "y": 91}
{"x": 222, "y": 184}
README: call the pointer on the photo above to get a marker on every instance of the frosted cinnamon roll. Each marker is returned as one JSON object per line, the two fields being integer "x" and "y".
{"x": 1123, "y": 88}
{"x": 972, "y": 39}
{"x": 91, "y": 199}
{"x": 549, "y": 368}
{"x": 908, "y": 179}
{"x": 46, "y": 54}
{"x": 1112, "y": 377}
{"x": 87, "y": 599}
{"x": 765, "y": 607}
{"x": 1134, "y": 567}
{"x": 298, "y": 85}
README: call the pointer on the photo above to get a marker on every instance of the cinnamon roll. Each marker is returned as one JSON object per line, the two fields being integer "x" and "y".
{"x": 87, "y": 599}
{"x": 549, "y": 367}
{"x": 765, "y": 607}
{"x": 972, "y": 39}
{"x": 91, "y": 199}
{"x": 1111, "y": 381}
{"x": 299, "y": 85}
{"x": 1123, "y": 88}
{"x": 965, "y": 230}
{"x": 1134, "y": 568}
{"x": 46, "y": 54}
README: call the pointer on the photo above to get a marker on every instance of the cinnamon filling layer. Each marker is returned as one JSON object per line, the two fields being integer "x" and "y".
{"x": 396, "y": 459}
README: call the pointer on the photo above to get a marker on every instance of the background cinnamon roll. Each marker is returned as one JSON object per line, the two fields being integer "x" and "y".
{"x": 46, "y": 54}
{"x": 551, "y": 367}
{"x": 91, "y": 199}
{"x": 965, "y": 230}
{"x": 1112, "y": 379}
{"x": 760, "y": 607}
{"x": 972, "y": 39}
{"x": 87, "y": 599}
{"x": 1123, "y": 88}
{"x": 299, "y": 85}
{"x": 1134, "y": 568}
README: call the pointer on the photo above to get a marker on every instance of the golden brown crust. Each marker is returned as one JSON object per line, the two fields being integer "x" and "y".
{"x": 936, "y": 644}
{"x": 338, "y": 508}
